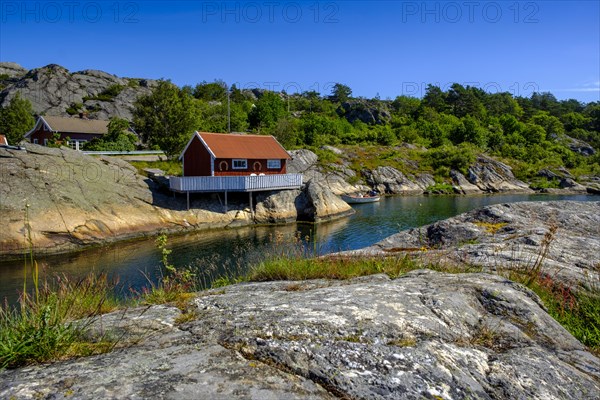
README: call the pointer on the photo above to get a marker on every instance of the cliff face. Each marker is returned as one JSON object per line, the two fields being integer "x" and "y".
{"x": 52, "y": 90}
{"x": 72, "y": 200}
{"x": 424, "y": 335}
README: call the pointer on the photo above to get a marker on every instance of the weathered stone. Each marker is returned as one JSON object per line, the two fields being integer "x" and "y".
{"x": 335, "y": 178}
{"x": 424, "y": 335}
{"x": 13, "y": 70}
{"x": 332, "y": 149}
{"x": 279, "y": 207}
{"x": 462, "y": 185}
{"x": 579, "y": 146}
{"x": 571, "y": 185}
{"x": 322, "y": 204}
{"x": 369, "y": 112}
{"x": 424, "y": 181}
{"x": 53, "y": 89}
{"x": 511, "y": 236}
{"x": 390, "y": 180}
{"x": 490, "y": 175}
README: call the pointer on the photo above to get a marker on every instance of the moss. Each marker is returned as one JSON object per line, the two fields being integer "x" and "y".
{"x": 491, "y": 227}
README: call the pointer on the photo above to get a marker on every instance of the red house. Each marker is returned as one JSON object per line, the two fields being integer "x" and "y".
{"x": 3, "y": 141}
{"x": 216, "y": 162}
{"x": 77, "y": 130}
{"x": 215, "y": 154}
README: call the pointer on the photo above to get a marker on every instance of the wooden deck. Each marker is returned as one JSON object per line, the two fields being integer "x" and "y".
{"x": 198, "y": 184}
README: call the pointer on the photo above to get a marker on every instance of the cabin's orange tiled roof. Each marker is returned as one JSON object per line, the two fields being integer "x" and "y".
{"x": 244, "y": 146}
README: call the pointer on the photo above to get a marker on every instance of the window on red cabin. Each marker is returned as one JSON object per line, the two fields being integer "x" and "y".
{"x": 240, "y": 164}
{"x": 274, "y": 164}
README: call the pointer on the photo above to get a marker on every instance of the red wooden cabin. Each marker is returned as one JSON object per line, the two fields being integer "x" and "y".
{"x": 216, "y": 154}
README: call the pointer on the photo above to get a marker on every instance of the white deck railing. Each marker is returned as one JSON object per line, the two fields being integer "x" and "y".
{"x": 235, "y": 183}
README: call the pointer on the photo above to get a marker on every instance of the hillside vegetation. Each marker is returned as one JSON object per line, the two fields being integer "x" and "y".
{"x": 448, "y": 128}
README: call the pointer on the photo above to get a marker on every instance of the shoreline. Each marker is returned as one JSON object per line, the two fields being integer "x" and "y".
{"x": 230, "y": 224}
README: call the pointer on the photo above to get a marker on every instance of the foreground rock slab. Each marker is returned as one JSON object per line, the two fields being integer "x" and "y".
{"x": 424, "y": 335}
{"x": 512, "y": 236}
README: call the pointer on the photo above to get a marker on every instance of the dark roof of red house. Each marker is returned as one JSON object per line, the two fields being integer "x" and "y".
{"x": 72, "y": 125}
{"x": 243, "y": 146}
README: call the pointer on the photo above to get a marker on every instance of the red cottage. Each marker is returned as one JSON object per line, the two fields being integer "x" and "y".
{"x": 214, "y": 162}
{"x": 3, "y": 141}
{"x": 214, "y": 154}
{"x": 77, "y": 130}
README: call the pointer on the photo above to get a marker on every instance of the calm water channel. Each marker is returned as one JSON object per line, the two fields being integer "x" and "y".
{"x": 226, "y": 250}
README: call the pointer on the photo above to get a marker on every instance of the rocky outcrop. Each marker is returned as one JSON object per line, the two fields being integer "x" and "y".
{"x": 315, "y": 203}
{"x": 335, "y": 176}
{"x": 462, "y": 185}
{"x": 369, "y": 112}
{"x": 493, "y": 176}
{"x": 390, "y": 180}
{"x": 65, "y": 200}
{"x": 579, "y": 146}
{"x": 486, "y": 175}
{"x": 423, "y": 335}
{"x": 12, "y": 70}
{"x": 321, "y": 203}
{"x": 52, "y": 90}
{"x": 510, "y": 236}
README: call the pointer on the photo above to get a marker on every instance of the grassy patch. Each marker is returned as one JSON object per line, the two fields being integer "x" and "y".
{"x": 49, "y": 324}
{"x": 51, "y": 319}
{"x": 408, "y": 161}
{"x": 172, "y": 167}
{"x": 342, "y": 268}
{"x": 544, "y": 183}
{"x": 577, "y": 311}
{"x": 440, "y": 188}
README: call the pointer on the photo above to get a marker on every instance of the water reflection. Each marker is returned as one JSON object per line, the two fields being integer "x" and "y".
{"x": 217, "y": 252}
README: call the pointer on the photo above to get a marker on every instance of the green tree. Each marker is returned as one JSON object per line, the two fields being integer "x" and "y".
{"x": 16, "y": 119}
{"x": 340, "y": 93}
{"x": 435, "y": 98}
{"x": 534, "y": 133}
{"x": 118, "y": 137}
{"x": 574, "y": 120}
{"x": 465, "y": 101}
{"x": 406, "y": 106}
{"x": 214, "y": 91}
{"x": 267, "y": 111}
{"x": 287, "y": 131}
{"x": 166, "y": 118}
{"x": 498, "y": 104}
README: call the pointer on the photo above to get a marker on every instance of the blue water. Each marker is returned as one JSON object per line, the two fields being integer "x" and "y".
{"x": 214, "y": 253}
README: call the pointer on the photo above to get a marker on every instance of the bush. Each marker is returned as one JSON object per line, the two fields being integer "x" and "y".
{"x": 459, "y": 157}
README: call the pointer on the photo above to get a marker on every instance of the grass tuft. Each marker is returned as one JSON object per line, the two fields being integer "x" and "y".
{"x": 50, "y": 325}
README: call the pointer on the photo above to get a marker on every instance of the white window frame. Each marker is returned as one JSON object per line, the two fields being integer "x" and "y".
{"x": 274, "y": 164}
{"x": 76, "y": 144}
{"x": 45, "y": 142}
{"x": 239, "y": 160}
{"x": 35, "y": 141}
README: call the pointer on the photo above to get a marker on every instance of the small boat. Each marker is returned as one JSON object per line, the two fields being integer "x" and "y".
{"x": 360, "y": 198}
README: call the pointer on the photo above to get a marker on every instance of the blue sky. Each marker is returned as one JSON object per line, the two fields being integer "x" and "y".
{"x": 384, "y": 48}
